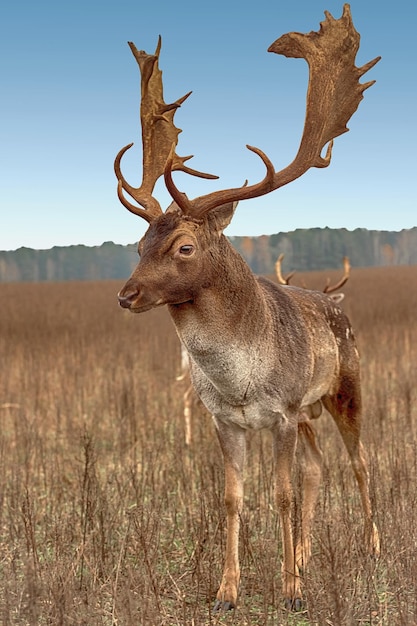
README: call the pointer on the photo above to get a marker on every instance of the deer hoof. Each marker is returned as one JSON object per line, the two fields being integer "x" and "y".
{"x": 222, "y": 607}
{"x": 294, "y": 604}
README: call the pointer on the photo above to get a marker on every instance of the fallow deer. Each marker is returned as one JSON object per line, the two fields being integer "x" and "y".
{"x": 261, "y": 355}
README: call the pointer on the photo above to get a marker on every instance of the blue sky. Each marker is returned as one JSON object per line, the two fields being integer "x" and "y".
{"x": 70, "y": 101}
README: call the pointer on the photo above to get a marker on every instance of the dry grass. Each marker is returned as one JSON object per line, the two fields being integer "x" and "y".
{"x": 107, "y": 518}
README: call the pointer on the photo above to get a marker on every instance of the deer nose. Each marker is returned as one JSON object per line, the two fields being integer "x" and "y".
{"x": 126, "y": 299}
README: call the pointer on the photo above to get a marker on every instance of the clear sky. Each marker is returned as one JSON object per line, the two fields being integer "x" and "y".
{"x": 70, "y": 100}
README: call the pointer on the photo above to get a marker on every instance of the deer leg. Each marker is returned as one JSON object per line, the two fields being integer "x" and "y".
{"x": 233, "y": 444}
{"x": 310, "y": 462}
{"x": 188, "y": 402}
{"x": 285, "y": 441}
{"x": 345, "y": 410}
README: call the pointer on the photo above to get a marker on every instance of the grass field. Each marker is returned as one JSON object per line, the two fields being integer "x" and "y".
{"x": 107, "y": 517}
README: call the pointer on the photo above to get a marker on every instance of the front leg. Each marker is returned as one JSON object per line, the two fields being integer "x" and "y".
{"x": 233, "y": 444}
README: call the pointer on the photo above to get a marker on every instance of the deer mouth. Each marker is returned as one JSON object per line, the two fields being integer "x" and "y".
{"x": 179, "y": 305}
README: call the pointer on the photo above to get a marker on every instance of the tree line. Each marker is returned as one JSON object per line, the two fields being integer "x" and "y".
{"x": 304, "y": 249}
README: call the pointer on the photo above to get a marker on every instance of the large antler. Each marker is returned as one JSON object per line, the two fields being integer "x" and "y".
{"x": 159, "y": 138}
{"x": 334, "y": 94}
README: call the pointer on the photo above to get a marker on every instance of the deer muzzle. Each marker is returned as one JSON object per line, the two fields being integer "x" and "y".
{"x": 126, "y": 299}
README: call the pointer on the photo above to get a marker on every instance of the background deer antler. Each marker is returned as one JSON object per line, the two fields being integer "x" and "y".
{"x": 334, "y": 94}
{"x": 159, "y": 138}
{"x": 328, "y": 288}
{"x": 283, "y": 280}
{"x": 331, "y": 288}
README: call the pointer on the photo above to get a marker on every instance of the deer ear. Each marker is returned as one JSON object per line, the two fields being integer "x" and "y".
{"x": 173, "y": 208}
{"x": 223, "y": 215}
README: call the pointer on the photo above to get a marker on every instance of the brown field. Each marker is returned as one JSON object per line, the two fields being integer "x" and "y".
{"x": 107, "y": 518}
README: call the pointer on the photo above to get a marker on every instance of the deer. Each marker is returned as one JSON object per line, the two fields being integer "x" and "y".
{"x": 328, "y": 288}
{"x": 262, "y": 355}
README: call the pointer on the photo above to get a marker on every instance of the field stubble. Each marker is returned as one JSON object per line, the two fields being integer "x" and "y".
{"x": 107, "y": 518}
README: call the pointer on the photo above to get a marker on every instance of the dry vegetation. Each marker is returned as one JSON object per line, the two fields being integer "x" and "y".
{"x": 107, "y": 519}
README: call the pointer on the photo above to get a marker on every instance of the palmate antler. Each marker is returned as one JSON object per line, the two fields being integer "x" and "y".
{"x": 159, "y": 138}
{"x": 334, "y": 94}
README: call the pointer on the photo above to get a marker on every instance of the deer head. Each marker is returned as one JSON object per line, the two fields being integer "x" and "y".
{"x": 334, "y": 93}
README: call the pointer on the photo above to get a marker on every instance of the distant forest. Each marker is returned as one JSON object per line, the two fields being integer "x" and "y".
{"x": 304, "y": 249}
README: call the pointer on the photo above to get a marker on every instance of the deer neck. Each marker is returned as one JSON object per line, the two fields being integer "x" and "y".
{"x": 228, "y": 306}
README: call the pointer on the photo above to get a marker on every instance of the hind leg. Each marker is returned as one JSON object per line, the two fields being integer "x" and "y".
{"x": 309, "y": 459}
{"x": 345, "y": 408}
{"x": 285, "y": 442}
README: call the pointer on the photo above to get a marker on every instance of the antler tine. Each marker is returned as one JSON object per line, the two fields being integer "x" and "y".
{"x": 204, "y": 204}
{"x": 281, "y": 279}
{"x": 330, "y": 288}
{"x": 159, "y": 135}
{"x": 152, "y": 206}
{"x": 333, "y": 95}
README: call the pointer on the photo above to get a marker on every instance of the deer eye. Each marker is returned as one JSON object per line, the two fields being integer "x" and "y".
{"x": 186, "y": 250}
